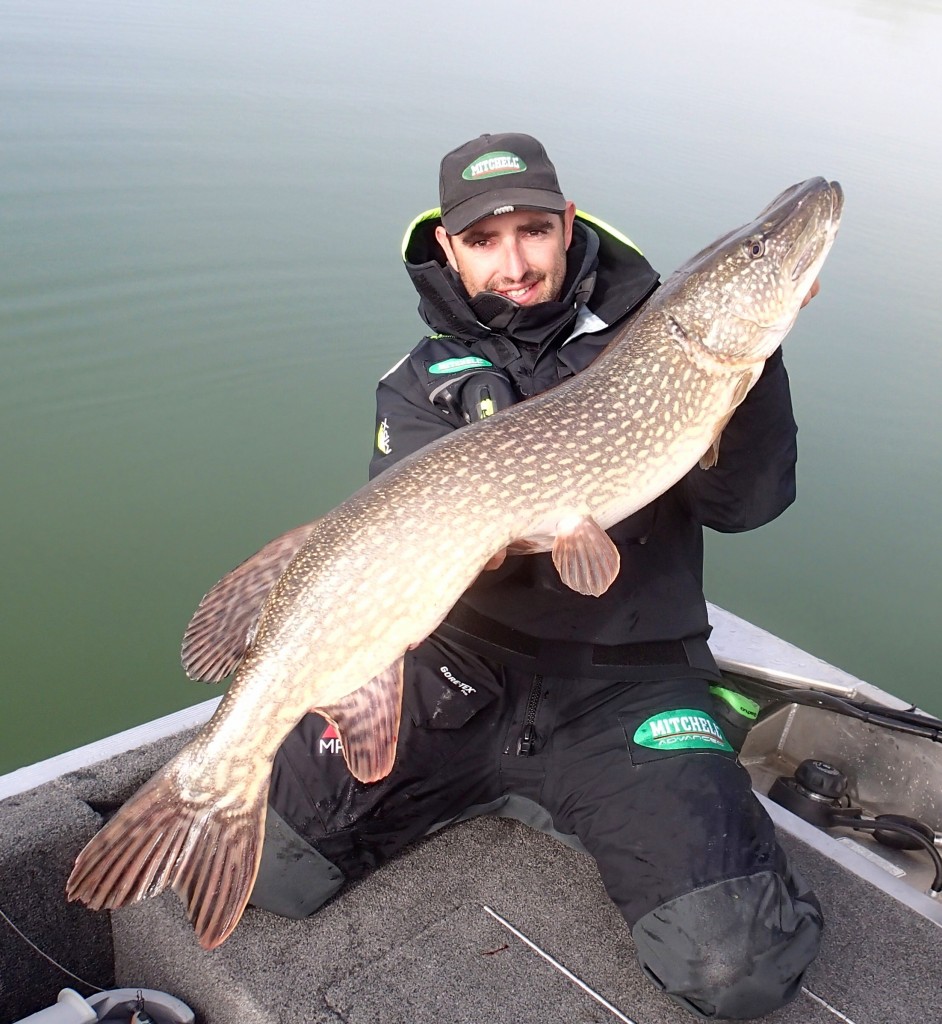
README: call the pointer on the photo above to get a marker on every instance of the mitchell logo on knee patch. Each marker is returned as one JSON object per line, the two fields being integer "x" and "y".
{"x": 684, "y": 729}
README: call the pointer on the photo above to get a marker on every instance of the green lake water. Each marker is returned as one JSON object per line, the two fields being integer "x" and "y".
{"x": 201, "y": 208}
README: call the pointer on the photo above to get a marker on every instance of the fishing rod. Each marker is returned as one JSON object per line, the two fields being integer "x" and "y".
{"x": 906, "y": 720}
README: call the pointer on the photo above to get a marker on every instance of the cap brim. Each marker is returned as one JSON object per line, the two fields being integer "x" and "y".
{"x": 490, "y": 203}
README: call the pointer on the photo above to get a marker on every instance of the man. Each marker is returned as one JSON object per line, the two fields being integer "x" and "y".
{"x": 536, "y": 702}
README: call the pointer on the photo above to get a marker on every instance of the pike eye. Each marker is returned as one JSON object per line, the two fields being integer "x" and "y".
{"x": 754, "y": 248}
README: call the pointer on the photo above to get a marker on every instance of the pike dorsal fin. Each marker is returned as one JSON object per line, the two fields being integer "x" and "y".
{"x": 585, "y": 556}
{"x": 223, "y": 625}
{"x": 367, "y": 722}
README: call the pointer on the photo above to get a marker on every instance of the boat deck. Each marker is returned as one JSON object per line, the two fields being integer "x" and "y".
{"x": 413, "y": 943}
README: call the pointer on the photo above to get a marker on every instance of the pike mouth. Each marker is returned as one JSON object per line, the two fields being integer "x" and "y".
{"x": 805, "y": 261}
{"x": 817, "y": 248}
{"x": 837, "y": 201}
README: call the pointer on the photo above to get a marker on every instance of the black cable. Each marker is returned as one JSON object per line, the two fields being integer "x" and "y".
{"x": 870, "y": 825}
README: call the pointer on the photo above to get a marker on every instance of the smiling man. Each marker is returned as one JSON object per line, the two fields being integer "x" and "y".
{"x": 521, "y": 256}
{"x": 596, "y": 720}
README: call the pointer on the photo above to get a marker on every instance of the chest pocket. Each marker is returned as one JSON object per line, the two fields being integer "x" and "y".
{"x": 468, "y": 387}
{"x": 474, "y": 396}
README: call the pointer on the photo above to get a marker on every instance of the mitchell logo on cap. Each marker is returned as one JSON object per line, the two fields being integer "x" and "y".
{"x": 494, "y": 174}
{"x": 492, "y": 164}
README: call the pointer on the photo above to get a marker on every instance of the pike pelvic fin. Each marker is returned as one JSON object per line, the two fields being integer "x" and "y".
{"x": 367, "y": 722}
{"x": 209, "y": 856}
{"x": 223, "y": 625}
{"x": 585, "y": 556}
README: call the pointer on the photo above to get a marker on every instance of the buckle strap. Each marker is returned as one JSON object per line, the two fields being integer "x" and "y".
{"x": 648, "y": 660}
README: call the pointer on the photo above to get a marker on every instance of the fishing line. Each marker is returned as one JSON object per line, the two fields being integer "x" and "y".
{"x": 563, "y": 970}
{"x": 45, "y": 956}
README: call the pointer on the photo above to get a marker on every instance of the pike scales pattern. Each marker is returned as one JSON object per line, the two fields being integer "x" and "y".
{"x": 321, "y": 618}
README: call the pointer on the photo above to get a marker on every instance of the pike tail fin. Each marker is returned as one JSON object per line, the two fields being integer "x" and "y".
{"x": 208, "y": 854}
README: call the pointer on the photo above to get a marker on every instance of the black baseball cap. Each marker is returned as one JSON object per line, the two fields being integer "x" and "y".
{"x": 496, "y": 174}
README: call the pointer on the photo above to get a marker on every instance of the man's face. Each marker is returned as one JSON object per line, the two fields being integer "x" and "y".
{"x": 520, "y": 255}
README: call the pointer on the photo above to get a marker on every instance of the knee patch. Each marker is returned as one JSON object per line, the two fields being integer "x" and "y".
{"x": 294, "y": 879}
{"x": 733, "y": 950}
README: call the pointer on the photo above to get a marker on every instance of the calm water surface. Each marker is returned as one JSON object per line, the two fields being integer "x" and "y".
{"x": 200, "y": 215}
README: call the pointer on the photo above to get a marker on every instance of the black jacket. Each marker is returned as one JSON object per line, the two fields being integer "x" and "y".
{"x": 485, "y": 353}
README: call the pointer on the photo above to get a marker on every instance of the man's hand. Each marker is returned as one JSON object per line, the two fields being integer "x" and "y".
{"x": 815, "y": 288}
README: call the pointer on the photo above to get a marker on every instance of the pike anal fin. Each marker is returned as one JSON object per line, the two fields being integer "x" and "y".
{"x": 367, "y": 723}
{"x": 585, "y": 556}
{"x": 209, "y": 855}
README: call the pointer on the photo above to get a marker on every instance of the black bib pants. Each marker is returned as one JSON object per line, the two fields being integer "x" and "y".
{"x": 638, "y": 774}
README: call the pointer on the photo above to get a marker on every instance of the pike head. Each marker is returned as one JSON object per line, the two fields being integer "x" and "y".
{"x": 735, "y": 301}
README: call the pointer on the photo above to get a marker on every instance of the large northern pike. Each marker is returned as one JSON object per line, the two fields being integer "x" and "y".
{"x": 320, "y": 619}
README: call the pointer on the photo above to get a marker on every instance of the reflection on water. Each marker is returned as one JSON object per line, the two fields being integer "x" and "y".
{"x": 200, "y": 213}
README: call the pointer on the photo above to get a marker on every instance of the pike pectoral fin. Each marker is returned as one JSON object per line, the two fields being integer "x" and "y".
{"x": 367, "y": 722}
{"x": 585, "y": 556}
{"x": 712, "y": 455}
{"x": 207, "y": 853}
{"x": 223, "y": 624}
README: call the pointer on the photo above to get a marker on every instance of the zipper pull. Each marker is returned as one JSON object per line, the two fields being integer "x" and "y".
{"x": 527, "y": 741}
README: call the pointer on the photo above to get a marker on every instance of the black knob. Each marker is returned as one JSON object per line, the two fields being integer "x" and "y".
{"x": 822, "y": 778}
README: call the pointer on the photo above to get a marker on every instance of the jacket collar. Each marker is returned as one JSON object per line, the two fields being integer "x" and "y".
{"x": 607, "y": 276}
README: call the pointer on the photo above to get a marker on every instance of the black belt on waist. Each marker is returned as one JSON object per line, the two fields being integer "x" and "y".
{"x": 649, "y": 660}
